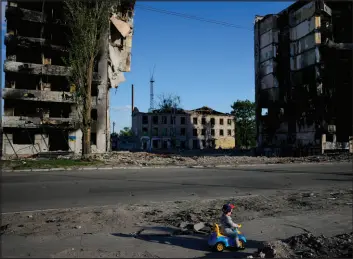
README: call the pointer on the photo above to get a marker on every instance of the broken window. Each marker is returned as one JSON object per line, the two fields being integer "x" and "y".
{"x": 93, "y": 138}
{"x": 56, "y": 58}
{"x": 155, "y": 143}
{"x": 329, "y": 137}
{"x": 203, "y": 143}
{"x": 96, "y": 67}
{"x": 221, "y": 121}
{"x": 144, "y": 131}
{"x": 19, "y": 110}
{"x": 194, "y": 120}
{"x": 165, "y": 144}
{"x": 94, "y": 114}
{"x": 203, "y": 132}
{"x": 213, "y": 121}
{"x": 56, "y": 83}
{"x": 182, "y": 144}
{"x": 221, "y": 132}
{"x": 58, "y": 140}
{"x": 155, "y": 132}
{"x": 229, "y": 132}
{"x": 59, "y": 111}
{"x": 165, "y": 132}
{"x": 23, "y": 137}
{"x": 29, "y": 82}
{"x": 172, "y": 120}
{"x": 164, "y": 120}
{"x": 172, "y": 132}
{"x": 182, "y": 132}
{"x": 94, "y": 90}
{"x": 155, "y": 119}
{"x": 194, "y": 132}
{"x": 212, "y": 132}
{"x": 264, "y": 111}
{"x": 195, "y": 144}
{"x": 203, "y": 121}
{"x": 229, "y": 122}
{"x": 144, "y": 119}
{"x": 182, "y": 120}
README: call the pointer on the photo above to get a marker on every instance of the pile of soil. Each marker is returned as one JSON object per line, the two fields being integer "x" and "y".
{"x": 309, "y": 246}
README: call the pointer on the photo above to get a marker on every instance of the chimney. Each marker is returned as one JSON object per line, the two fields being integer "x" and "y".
{"x": 132, "y": 99}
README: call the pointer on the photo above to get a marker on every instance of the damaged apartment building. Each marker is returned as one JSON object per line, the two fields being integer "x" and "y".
{"x": 40, "y": 111}
{"x": 202, "y": 128}
{"x": 303, "y": 78}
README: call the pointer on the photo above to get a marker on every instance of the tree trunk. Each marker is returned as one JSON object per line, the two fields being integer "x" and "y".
{"x": 87, "y": 105}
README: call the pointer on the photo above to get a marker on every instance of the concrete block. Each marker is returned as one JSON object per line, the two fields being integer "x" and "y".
{"x": 158, "y": 231}
{"x": 57, "y": 169}
{"x": 89, "y": 168}
{"x": 41, "y": 170}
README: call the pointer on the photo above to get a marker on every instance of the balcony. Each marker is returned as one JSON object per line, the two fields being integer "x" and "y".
{"x": 39, "y": 69}
{"x": 37, "y": 95}
{"x": 30, "y": 42}
{"x": 36, "y": 122}
{"x": 14, "y": 12}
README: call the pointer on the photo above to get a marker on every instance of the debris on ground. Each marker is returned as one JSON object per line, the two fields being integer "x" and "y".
{"x": 308, "y": 246}
{"x": 186, "y": 158}
{"x": 149, "y": 159}
{"x": 274, "y": 249}
{"x": 191, "y": 218}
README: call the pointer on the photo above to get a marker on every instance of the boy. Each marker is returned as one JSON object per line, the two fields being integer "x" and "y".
{"x": 228, "y": 225}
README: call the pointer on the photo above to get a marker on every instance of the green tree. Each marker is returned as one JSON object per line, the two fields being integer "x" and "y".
{"x": 88, "y": 23}
{"x": 245, "y": 126}
{"x": 126, "y": 132}
{"x": 169, "y": 102}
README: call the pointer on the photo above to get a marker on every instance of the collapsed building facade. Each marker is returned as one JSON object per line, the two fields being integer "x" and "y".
{"x": 303, "y": 78}
{"x": 202, "y": 128}
{"x": 40, "y": 111}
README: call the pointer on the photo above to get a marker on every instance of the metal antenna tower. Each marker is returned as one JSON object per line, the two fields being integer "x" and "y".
{"x": 151, "y": 90}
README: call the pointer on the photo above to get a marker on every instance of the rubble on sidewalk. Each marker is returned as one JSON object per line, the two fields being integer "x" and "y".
{"x": 126, "y": 158}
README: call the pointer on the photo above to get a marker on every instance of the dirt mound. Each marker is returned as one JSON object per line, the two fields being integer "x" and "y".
{"x": 126, "y": 158}
{"x": 308, "y": 246}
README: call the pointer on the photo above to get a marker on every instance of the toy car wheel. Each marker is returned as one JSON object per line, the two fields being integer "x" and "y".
{"x": 219, "y": 247}
{"x": 242, "y": 245}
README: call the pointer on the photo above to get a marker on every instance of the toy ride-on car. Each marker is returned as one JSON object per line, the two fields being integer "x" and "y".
{"x": 219, "y": 242}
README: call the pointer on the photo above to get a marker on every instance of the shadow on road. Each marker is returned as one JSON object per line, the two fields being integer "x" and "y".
{"x": 194, "y": 242}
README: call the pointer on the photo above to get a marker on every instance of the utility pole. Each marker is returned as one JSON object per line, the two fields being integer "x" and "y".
{"x": 113, "y": 127}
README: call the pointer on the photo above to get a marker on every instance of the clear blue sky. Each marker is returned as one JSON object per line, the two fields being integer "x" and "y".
{"x": 204, "y": 63}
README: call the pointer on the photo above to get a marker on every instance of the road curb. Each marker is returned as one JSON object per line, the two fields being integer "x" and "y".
{"x": 237, "y": 166}
{"x": 91, "y": 168}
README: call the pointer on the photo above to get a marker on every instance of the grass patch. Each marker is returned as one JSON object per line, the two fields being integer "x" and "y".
{"x": 47, "y": 163}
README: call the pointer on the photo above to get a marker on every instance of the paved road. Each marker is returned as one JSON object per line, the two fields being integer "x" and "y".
{"x": 50, "y": 190}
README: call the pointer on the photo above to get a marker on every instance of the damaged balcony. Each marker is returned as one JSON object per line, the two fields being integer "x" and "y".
{"x": 37, "y": 95}
{"x": 37, "y": 69}
{"x": 14, "y": 12}
{"x": 36, "y": 122}
{"x": 30, "y": 42}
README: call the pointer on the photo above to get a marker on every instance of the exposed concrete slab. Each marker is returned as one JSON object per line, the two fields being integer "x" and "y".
{"x": 158, "y": 231}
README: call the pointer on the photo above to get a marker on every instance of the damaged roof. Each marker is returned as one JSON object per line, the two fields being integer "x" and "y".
{"x": 208, "y": 110}
{"x": 203, "y": 110}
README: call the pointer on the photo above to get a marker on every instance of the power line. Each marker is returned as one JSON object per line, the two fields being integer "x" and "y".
{"x": 193, "y": 17}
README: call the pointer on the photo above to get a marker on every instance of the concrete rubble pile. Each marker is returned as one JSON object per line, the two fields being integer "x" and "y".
{"x": 199, "y": 219}
{"x": 308, "y": 246}
{"x": 124, "y": 158}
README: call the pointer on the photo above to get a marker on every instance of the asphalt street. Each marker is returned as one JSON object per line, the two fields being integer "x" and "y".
{"x": 26, "y": 191}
